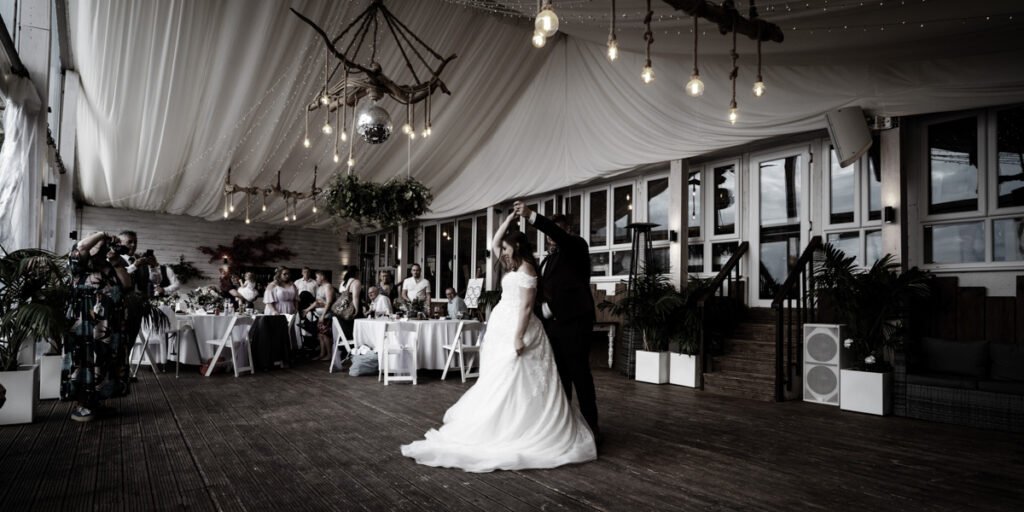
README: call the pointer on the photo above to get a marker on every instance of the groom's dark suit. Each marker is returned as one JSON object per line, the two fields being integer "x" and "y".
{"x": 565, "y": 287}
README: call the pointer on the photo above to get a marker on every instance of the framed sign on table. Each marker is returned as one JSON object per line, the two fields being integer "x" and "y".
{"x": 473, "y": 290}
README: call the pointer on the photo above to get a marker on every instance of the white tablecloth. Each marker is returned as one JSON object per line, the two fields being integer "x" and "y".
{"x": 432, "y": 336}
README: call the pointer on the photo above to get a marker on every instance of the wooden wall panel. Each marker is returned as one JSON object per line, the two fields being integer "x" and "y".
{"x": 1001, "y": 319}
{"x": 172, "y": 235}
{"x": 970, "y": 313}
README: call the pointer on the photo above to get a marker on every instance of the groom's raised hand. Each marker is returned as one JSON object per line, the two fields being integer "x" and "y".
{"x": 521, "y": 209}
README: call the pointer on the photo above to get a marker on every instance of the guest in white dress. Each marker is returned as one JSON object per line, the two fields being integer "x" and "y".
{"x": 248, "y": 290}
{"x": 516, "y": 416}
{"x": 324, "y": 299}
{"x": 281, "y": 295}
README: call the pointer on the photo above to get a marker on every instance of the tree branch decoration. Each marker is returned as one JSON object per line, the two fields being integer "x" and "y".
{"x": 186, "y": 271}
{"x": 250, "y": 251}
{"x": 398, "y": 201}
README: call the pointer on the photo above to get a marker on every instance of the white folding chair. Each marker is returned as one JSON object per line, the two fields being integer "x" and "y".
{"x": 340, "y": 341}
{"x": 232, "y": 343}
{"x": 474, "y": 330}
{"x": 148, "y": 336}
{"x": 399, "y": 338}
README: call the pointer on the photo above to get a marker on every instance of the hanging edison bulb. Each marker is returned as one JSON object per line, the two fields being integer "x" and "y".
{"x": 547, "y": 21}
{"x": 648, "y": 73}
{"x": 264, "y": 203}
{"x": 225, "y": 205}
{"x": 613, "y": 49}
{"x": 759, "y": 87}
{"x": 538, "y": 39}
{"x": 351, "y": 162}
{"x": 695, "y": 87}
{"x": 733, "y": 113}
{"x": 305, "y": 141}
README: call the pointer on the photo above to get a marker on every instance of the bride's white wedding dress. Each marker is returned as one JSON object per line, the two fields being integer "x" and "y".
{"x": 516, "y": 416}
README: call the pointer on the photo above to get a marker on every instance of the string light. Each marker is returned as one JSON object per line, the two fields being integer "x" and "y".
{"x": 547, "y": 21}
{"x": 613, "y": 45}
{"x": 538, "y": 39}
{"x": 733, "y": 115}
{"x": 305, "y": 141}
{"x": 695, "y": 87}
{"x": 648, "y": 73}
{"x": 759, "y": 84}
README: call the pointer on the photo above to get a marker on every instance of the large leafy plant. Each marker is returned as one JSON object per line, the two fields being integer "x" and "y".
{"x": 35, "y": 292}
{"x": 873, "y": 303}
{"x": 648, "y": 307}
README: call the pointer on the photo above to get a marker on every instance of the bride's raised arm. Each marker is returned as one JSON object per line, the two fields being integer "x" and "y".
{"x": 498, "y": 235}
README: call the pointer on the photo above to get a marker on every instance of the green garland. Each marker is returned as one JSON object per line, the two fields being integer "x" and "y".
{"x": 399, "y": 200}
{"x": 186, "y": 271}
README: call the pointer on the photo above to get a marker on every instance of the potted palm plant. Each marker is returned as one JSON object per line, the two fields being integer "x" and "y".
{"x": 34, "y": 296}
{"x": 647, "y": 308}
{"x": 874, "y": 304}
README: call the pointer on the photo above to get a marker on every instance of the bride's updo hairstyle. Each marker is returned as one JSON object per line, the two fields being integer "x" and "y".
{"x": 522, "y": 251}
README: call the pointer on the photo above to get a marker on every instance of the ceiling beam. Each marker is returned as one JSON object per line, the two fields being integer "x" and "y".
{"x": 63, "y": 36}
{"x": 728, "y": 19}
{"x": 10, "y": 51}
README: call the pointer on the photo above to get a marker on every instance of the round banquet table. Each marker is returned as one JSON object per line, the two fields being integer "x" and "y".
{"x": 431, "y": 335}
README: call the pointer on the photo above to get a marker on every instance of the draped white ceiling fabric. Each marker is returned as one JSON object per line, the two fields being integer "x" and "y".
{"x": 175, "y": 92}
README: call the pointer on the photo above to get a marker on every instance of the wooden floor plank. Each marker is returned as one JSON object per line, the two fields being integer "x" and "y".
{"x": 302, "y": 439}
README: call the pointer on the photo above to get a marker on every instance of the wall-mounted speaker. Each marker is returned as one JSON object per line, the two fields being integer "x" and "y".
{"x": 849, "y": 132}
{"x": 824, "y": 356}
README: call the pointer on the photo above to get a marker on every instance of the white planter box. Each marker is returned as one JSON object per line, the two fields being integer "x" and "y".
{"x": 652, "y": 367}
{"x": 683, "y": 370}
{"x": 867, "y": 392}
{"x": 49, "y": 376}
{"x": 21, "y": 395}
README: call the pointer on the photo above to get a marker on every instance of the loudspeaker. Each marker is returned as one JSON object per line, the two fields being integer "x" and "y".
{"x": 849, "y": 132}
{"x": 824, "y": 356}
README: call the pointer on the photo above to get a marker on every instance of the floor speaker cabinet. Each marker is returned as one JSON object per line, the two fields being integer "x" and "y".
{"x": 824, "y": 356}
{"x": 849, "y": 132}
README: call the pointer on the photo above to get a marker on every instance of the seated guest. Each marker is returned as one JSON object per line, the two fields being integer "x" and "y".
{"x": 306, "y": 283}
{"x": 456, "y": 306}
{"x": 167, "y": 283}
{"x": 248, "y": 291}
{"x": 380, "y": 304}
{"x": 281, "y": 295}
{"x": 386, "y": 285}
{"x": 415, "y": 286}
{"x": 228, "y": 284}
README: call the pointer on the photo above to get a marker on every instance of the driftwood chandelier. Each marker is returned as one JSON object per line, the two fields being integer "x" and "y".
{"x": 350, "y": 79}
{"x": 291, "y": 197}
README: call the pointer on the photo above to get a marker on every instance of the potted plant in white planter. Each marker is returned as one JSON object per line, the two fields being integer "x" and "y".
{"x": 34, "y": 297}
{"x": 647, "y": 309}
{"x": 873, "y": 303}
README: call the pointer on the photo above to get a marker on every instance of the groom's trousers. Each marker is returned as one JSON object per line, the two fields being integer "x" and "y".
{"x": 570, "y": 341}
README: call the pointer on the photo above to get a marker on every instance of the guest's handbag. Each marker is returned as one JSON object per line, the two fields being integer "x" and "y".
{"x": 343, "y": 307}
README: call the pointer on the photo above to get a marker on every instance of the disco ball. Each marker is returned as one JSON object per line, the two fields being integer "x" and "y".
{"x": 374, "y": 124}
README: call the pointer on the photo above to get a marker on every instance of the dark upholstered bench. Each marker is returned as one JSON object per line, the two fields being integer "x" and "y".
{"x": 974, "y": 383}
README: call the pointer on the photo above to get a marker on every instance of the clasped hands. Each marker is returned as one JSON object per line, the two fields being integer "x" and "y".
{"x": 519, "y": 208}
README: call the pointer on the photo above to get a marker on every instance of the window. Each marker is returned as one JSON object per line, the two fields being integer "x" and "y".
{"x": 658, "y": 203}
{"x": 464, "y": 254}
{"x": 623, "y": 217}
{"x": 854, "y": 205}
{"x": 1010, "y": 157}
{"x": 598, "y": 218}
{"x": 974, "y": 189}
{"x": 429, "y": 252}
{"x": 695, "y": 260}
{"x": 725, "y": 199}
{"x": 953, "y": 166}
{"x": 720, "y": 254}
{"x": 574, "y": 211}
{"x": 482, "y": 239}
{"x": 696, "y": 216}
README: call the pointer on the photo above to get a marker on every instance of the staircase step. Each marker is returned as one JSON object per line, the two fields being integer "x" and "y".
{"x": 750, "y": 348}
{"x": 754, "y": 332}
{"x": 760, "y": 315}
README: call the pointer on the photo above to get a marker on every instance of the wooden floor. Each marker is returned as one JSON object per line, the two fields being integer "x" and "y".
{"x": 303, "y": 439}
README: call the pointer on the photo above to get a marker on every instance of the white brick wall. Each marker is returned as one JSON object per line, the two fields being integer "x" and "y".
{"x": 173, "y": 235}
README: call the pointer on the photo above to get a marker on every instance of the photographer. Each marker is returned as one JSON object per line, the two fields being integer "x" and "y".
{"x": 98, "y": 368}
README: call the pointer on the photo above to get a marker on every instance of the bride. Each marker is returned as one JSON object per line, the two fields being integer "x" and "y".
{"x": 516, "y": 416}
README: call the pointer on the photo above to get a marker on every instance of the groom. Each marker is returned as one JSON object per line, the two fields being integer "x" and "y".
{"x": 566, "y": 307}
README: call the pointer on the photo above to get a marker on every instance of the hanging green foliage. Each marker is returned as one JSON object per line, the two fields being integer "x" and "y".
{"x": 399, "y": 200}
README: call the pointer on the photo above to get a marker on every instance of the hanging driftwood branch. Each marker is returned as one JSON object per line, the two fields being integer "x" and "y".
{"x": 726, "y": 17}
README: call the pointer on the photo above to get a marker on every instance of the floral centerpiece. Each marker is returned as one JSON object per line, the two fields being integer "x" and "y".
{"x": 416, "y": 308}
{"x": 397, "y": 201}
{"x": 205, "y": 298}
{"x": 873, "y": 303}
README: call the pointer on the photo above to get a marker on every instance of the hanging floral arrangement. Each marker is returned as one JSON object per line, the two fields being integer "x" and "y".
{"x": 399, "y": 200}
